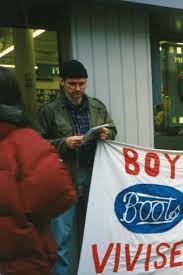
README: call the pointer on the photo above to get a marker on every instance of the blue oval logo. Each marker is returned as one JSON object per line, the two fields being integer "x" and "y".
{"x": 149, "y": 208}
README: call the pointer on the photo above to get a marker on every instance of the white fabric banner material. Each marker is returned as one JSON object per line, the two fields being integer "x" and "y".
{"x": 134, "y": 217}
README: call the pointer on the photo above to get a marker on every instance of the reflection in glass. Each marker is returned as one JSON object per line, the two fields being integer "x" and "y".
{"x": 168, "y": 112}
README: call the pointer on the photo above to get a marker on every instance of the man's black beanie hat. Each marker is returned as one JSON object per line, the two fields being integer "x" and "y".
{"x": 73, "y": 69}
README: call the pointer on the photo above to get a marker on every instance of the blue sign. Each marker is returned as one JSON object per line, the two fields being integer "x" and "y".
{"x": 149, "y": 208}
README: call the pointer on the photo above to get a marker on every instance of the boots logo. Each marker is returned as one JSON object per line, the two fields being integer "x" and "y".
{"x": 149, "y": 208}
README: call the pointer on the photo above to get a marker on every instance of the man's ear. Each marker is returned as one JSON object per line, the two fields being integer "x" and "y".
{"x": 61, "y": 81}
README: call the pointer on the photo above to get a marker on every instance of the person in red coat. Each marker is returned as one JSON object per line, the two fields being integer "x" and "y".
{"x": 34, "y": 187}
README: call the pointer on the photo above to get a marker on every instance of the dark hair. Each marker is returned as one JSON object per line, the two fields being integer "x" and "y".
{"x": 73, "y": 69}
{"x": 10, "y": 93}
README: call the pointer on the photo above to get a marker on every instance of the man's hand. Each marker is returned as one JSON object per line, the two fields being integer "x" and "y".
{"x": 74, "y": 142}
{"x": 103, "y": 133}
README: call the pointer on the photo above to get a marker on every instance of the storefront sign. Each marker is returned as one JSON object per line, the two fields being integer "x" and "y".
{"x": 47, "y": 70}
{"x": 134, "y": 219}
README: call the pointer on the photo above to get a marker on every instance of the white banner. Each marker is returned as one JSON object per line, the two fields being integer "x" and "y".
{"x": 134, "y": 217}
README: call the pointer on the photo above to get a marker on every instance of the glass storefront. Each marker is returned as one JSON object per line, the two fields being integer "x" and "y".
{"x": 168, "y": 112}
{"x": 46, "y": 60}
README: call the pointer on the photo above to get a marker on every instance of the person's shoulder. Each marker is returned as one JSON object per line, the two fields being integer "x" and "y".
{"x": 25, "y": 133}
{"x": 96, "y": 102}
{"x": 28, "y": 137}
{"x": 51, "y": 104}
{"x": 46, "y": 105}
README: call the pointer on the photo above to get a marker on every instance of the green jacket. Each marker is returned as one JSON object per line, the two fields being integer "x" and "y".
{"x": 55, "y": 124}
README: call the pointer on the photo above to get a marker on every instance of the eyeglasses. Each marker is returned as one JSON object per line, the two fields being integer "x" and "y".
{"x": 74, "y": 85}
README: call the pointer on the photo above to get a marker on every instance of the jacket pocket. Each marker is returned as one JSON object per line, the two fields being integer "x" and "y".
{"x": 64, "y": 128}
{"x": 64, "y": 131}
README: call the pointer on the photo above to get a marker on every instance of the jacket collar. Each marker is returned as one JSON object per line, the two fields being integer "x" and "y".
{"x": 11, "y": 117}
{"x": 90, "y": 100}
{"x": 14, "y": 115}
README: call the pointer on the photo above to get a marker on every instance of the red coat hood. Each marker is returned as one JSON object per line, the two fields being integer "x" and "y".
{"x": 11, "y": 117}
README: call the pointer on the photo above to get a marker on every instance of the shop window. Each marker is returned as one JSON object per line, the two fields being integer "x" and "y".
{"x": 46, "y": 61}
{"x": 168, "y": 112}
{"x": 47, "y": 67}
